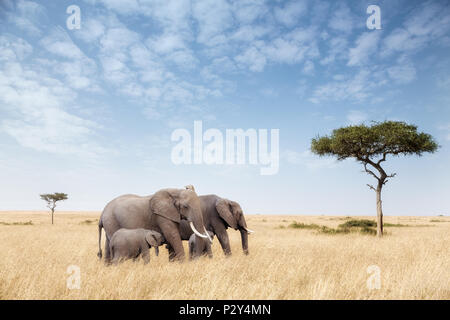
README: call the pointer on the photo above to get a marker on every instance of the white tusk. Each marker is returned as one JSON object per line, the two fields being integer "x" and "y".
{"x": 248, "y": 230}
{"x": 196, "y": 232}
{"x": 207, "y": 234}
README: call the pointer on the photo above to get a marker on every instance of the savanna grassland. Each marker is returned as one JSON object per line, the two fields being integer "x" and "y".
{"x": 284, "y": 262}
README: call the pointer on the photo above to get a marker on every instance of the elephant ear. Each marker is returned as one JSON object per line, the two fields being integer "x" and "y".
{"x": 151, "y": 239}
{"x": 162, "y": 203}
{"x": 223, "y": 208}
{"x": 236, "y": 209}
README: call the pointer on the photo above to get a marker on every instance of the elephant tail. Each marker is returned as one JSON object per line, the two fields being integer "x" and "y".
{"x": 100, "y": 226}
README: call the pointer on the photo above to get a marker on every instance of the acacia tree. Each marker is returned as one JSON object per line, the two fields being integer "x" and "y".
{"x": 370, "y": 145}
{"x": 52, "y": 198}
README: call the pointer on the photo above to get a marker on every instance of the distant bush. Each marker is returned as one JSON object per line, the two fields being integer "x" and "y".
{"x": 358, "y": 223}
{"x": 28, "y": 223}
{"x": 362, "y": 226}
{"x": 296, "y": 225}
{"x": 366, "y": 230}
{"x": 87, "y": 221}
{"x": 328, "y": 230}
{"x": 395, "y": 225}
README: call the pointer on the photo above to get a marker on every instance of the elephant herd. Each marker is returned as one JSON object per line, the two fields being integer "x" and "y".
{"x": 133, "y": 224}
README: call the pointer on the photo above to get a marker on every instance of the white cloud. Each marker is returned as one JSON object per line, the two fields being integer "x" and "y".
{"x": 76, "y": 67}
{"x": 400, "y": 40}
{"x": 248, "y": 33}
{"x": 12, "y": 49}
{"x": 214, "y": 17}
{"x": 26, "y": 16}
{"x": 59, "y": 43}
{"x": 269, "y": 92}
{"x": 443, "y": 82}
{"x": 290, "y": 13}
{"x": 117, "y": 39}
{"x": 172, "y": 15}
{"x": 402, "y": 73}
{"x": 308, "y": 159}
{"x": 308, "y": 67}
{"x": 446, "y": 129}
{"x": 430, "y": 19}
{"x": 247, "y": 11}
{"x": 366, "y": 45}
{"x": 91, "y": 30}
{"x": 122, "y": 7}
{"x": 290, "y": 48}
{"x": 427, "y": 23}
{"x": 342, "y": 19}
{"x": 253, "y": 59}
{"x": 356, "y": 88}
{"x": 284, "y": 51}
{"x": 37, "y": 115}
{"x": 338, "y": 50}
{"x": 173, "y": 49}
{"x": 355, "y": 117}
{"x": 166, "y": 43}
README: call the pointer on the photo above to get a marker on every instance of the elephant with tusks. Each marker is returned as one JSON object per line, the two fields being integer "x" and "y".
{"x": 219, "y": 214}
{"x": 162, "y": 212}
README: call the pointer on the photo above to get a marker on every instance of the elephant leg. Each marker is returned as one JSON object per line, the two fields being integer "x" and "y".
{"x": 171, "y": 252}
{"x": 146, "y": 254}
{"x": 191, "y": 250}
{"x": 107, "y": 251}
{"x": 222, "y": 235}
{"x": 113, "y": 258}
{"x": 208, "y": 250}
{"x": 171, "y": 233}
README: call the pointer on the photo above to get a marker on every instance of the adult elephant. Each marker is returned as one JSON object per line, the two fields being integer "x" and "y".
{"x": 161, "y": 212}
{"x": 219, "y": 214}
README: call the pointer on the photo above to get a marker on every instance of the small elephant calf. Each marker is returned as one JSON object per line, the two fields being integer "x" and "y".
{"x": 199, "y": 247}
{"x": 131, "y": 243}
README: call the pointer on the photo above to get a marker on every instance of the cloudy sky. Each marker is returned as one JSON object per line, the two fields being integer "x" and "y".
{"x": 90, "y": 111}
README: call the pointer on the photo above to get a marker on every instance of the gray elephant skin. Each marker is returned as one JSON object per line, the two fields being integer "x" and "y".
{"x": 161, "y": 212}
{"x": 198, "y": 247}
{"x": 219, "y": 214}
{"x": 132, "y": 243}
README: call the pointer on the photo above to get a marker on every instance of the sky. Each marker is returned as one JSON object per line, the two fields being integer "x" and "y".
{"x": 90, "y": 111}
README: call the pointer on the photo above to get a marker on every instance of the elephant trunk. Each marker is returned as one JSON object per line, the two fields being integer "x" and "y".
{"x": 244, "y": 238}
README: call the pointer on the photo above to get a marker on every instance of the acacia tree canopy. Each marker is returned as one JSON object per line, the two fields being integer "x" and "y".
{"x": 370, "y": 145}
{"x": 52, "y": 198}
{"x": 379, "y": 140}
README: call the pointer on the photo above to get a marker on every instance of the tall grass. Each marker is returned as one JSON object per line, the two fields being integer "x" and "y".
{"x": 283, "y": 263}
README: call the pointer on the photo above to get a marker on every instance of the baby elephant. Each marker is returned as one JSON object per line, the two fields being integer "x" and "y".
{"x": 131, "y": 243}
{"x": 199, "y": 247}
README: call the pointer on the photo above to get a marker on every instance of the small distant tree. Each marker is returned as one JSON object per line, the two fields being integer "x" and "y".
{"x": 370, "y": 145}
{"x": 52, "y": 198}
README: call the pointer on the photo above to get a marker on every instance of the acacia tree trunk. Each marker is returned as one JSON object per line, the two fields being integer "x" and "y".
{"x": 53, "y": 210}
{"x": 379, "y": 211}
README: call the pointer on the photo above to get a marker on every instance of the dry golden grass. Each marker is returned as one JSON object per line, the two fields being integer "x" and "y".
{"x": 284, "y": 263}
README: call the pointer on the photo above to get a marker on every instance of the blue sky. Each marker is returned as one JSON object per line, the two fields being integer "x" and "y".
{"x": 90, "y": 111}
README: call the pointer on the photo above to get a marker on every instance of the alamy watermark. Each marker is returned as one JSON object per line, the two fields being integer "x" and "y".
{"x": 374, "y": 280}
{"x": 236, "y": 147}
{"x": 73, "y": 281}
{"x": 74, "y": 20}
{"x": 374, "y": 20}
